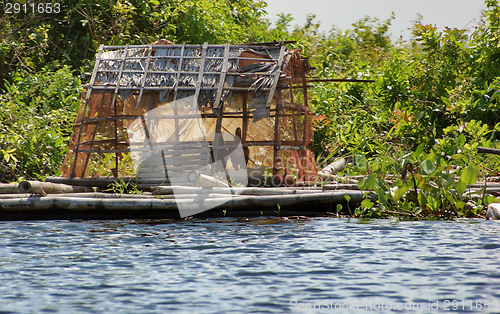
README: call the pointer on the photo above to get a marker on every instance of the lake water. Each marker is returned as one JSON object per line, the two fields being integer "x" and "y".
{"x": 320, "y": 265}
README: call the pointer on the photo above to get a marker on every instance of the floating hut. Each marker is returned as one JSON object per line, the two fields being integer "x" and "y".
{"x": 160, "y": 111}
{"x": 196, "y": 126}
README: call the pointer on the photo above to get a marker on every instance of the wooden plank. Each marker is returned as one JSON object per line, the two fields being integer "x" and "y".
{"x": 102, "y": 151}
{"x": 147, "y": 204}
{"x": 200, "y": 74}
{"x": 187, "y": 153}
{"x": 117, "y": 87}
{"x": 174, "y": 162}
{"x": 222, "y": 77}
{"x": 176, "y": 88}
{"x": 276, "y": 77}
{"x": 190, "y": 72}
{"x": 235, "y": 114}
{"x": 182, "y": 168}
{"x": 179, "y": 72}
{"x": 170, "y": 145}
{"x": 174, "y": 149}
{"x": 113, "y": 105}
{"x": 218, "y": 137}
{"x": 145, "y": 74}
{"x": 94, "y": 74}
{"x": 102, "y": 182}
{"x": 306, "y": 117}
{"x": 276, "y": 133}
{"x": 183, "y": 88}
{"x": 168, "y": 190}
{"x": 87, "y": 99}
{"x": 292, "y": 147}
{"x": 103, "y": 141}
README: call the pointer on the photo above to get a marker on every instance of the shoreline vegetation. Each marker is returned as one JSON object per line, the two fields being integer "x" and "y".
{"x": 411, "y": 137}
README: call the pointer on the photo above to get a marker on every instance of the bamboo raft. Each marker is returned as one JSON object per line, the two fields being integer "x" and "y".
{"x": 33, "y": 200}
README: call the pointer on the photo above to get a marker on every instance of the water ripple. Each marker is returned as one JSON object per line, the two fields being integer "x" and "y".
{"x": 260, "y": 265}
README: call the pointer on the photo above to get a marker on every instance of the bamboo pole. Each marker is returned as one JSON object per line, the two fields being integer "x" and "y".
{"x": 87, "y": 99}
{"x": 61, "y": 202}
{"x": 84, "y": 195}
{"x": 15, "y": 195}
{"x": 341, "y": 186}
{"x": 310, "y": 200}
{"x": 488, "y": 150}
{"x": 105, "y": 181}
{"x": 331, "y": 169}
{"x": 202, "y": 180}
{"x": 44, "y": 188}
{"x": 98, "y": 195}
{"x": 166, "y": 190}
{"x": 85, "y": 204}
{"x": 8, "y": 188}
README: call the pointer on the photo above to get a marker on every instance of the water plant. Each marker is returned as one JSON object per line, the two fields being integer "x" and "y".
{"x": 121, "y": 186}
{"x": 428, "y": 185}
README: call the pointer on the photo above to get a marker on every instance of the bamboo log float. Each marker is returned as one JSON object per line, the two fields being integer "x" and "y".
{"x": 331, "y": 169}
{"x": 205, "y": 194}
{"x": 8, "y": 188}
{"x": 62, "y": 202}
{"x": 165, "y": 190}
{"x": 98, "y": 195}
{"x": 18, "y": 195}
{"x": 202, "y": 180}
{"x": 106, "y": 181}
{"x": 341, "y": 186}
{"x": 148, "y": 187}
{"x": 311, "y": 200}
{"x": 27, "y": 204}
{"x": 44, "y": 188}
{"x": 84, "y": 204}
{"x": 108, "y": 195}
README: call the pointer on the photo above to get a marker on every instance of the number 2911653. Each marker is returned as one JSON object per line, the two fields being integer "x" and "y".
{"x": 32, "y": 7}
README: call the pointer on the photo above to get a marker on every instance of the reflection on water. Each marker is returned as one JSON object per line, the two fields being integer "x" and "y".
{"x": 259, "y": 265}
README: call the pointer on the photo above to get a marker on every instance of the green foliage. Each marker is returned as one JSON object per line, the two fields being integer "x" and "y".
{"x": 437, "y": 81}
{"x": 124, "y": 187}
{"x": 420, "y": 184}
{"x": 36, "y": 121}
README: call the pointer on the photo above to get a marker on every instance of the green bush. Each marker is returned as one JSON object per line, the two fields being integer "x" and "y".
{"x": 38, "y": 111}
